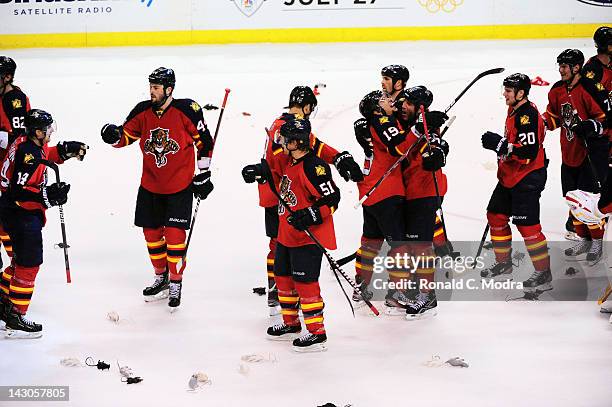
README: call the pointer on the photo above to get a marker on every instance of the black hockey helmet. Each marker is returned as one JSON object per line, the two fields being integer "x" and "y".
{"x": 7, "y": 65}
{"x": 518, "y": 81}
{"x": 603, "y": 38}
{"x": 370, "y": 104}
{"x": 37, "y": 119}
{"x": 296, "y": 129}
{"x": 301, "y": 96}
{"x": 571, "y": 57}
{"x": 418, "y": 96}
{"x": 396, "y": 73}
{"x": 163, "y": 76}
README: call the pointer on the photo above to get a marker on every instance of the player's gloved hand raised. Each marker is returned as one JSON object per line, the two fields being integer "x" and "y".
{"x": 303, "y": 218}
{"x": 201, "y": 185}
{"x": 435, "y": 159}
{"x": 252, "y": 173}
{"x": 111, "y": 134}
{"x": 440, "y": 142}
{"x": 587, "y": 129}
{"x": 495, "y": 142}
{"x": 435, "y": 120}
{"x": 347, "y": 167}
{"x": 69, "y": 149}
{"x": 55, "y": 194}
{"x": 363, "y": 136}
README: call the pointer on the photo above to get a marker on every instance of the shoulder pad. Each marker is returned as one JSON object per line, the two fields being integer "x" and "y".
{"x": 187, "y": 106}
{"x": 15, "y": 99}
{"x": 316, "y": 166}
{"x": 558, "y": 84}
{"x": 139, "y": 108}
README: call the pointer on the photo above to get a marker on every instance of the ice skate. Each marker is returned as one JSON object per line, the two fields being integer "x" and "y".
{"x": 158, "y": 290}
{"x": 581, "y": 247}
{"x": 3, "y": 316}
{"x": 499, "y": 271}
{"x": 570, "y": 232}
{"x": 358, "y": 301}
{"x": 273, "y": 304}
{"x": 19, "y": 327}
{"x": 310, "y": 343}
{"x": 595, "y": 252}
{"x": 539, "y": 281}
{"x": 283, "y": 332}
{"x": 396, "y": 302}
{"x": 606, "y": 307}
{"x": 424, "y": 307}
{"x": 175, "y": 289}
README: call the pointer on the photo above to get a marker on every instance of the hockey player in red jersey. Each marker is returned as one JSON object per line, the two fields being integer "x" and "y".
{"x": 13, "y": 106}
{"x": 409, "y": 103}
{"x": 584, "y": 149}
{"x": 424, "y": 161}
{"x": 302, "y": 102}
{"x": 597, "y": 74}
{"x": 382, "y": 210}
{"x": 307, "y": 187}
{"x": 167, "y": 131}
{"x": 522, "y": 177}
{"x": 24, "y": 200}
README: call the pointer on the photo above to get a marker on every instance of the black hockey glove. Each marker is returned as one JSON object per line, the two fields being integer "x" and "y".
{"x": 587, "y": 129}
{"x": 495, "y": 142}
{"x": 201, "y": 185}
{"x": 440, "y": 142}
{"x": 252, "y": 173}
{"x": 434, "y": 119}
{"x": 347, "y": 167}
{"x": 55, "y": 194}
{"x": 111, "y": 134}
{"x": 303, "y": 218}
{"x": 435, "y": 159}
{"x": 69, "y": 149}
{"x": 363, "y": 136}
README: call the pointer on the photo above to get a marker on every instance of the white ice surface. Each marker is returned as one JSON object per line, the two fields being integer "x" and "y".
{"x": 520, "y": 354}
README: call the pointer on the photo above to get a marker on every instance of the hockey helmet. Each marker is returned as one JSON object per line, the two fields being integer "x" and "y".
{"x": 296, "y": 129}
{"x": 370, "y": 104}
{"x": 7, "y": 65}
{"x": 418, "y": 96}
{"x": 518, "y": 81}
{"x": 37, "y": 119}
{"x": 163, "y": 76}
{"x": 603, "y": 38}
{"x": 301, "y": 96}
{"x": 571, "y": 57}
{"x": 396, "y": 73}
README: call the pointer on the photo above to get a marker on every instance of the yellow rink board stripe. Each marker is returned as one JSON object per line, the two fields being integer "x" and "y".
{"x": 297, "y": 35}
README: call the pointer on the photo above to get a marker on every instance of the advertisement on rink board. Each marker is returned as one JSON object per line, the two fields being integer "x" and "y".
{"x": 100, "y": 16}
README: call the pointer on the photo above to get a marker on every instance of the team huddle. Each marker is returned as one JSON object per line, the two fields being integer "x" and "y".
{"x": 401, "y": 188}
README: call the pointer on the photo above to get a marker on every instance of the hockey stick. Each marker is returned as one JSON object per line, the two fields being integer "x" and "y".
{"x": 195, "y": 212}
{"x": 64, "y": 244}
{"x": 437, "y": 189}
{"x": 605, "y": 295}
{"x": 482, "y": 242}
{"x": 476, "y": 79}
{"x": 334, "y": 266}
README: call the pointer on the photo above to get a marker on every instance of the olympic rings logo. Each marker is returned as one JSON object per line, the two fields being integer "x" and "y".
{"x": 433, "y": 6}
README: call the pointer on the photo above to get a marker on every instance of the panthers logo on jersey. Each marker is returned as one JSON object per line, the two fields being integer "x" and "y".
{"x": 159, "y": 145}
{"x": 287, "y": 194}
{"x": 567, "y": 115}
